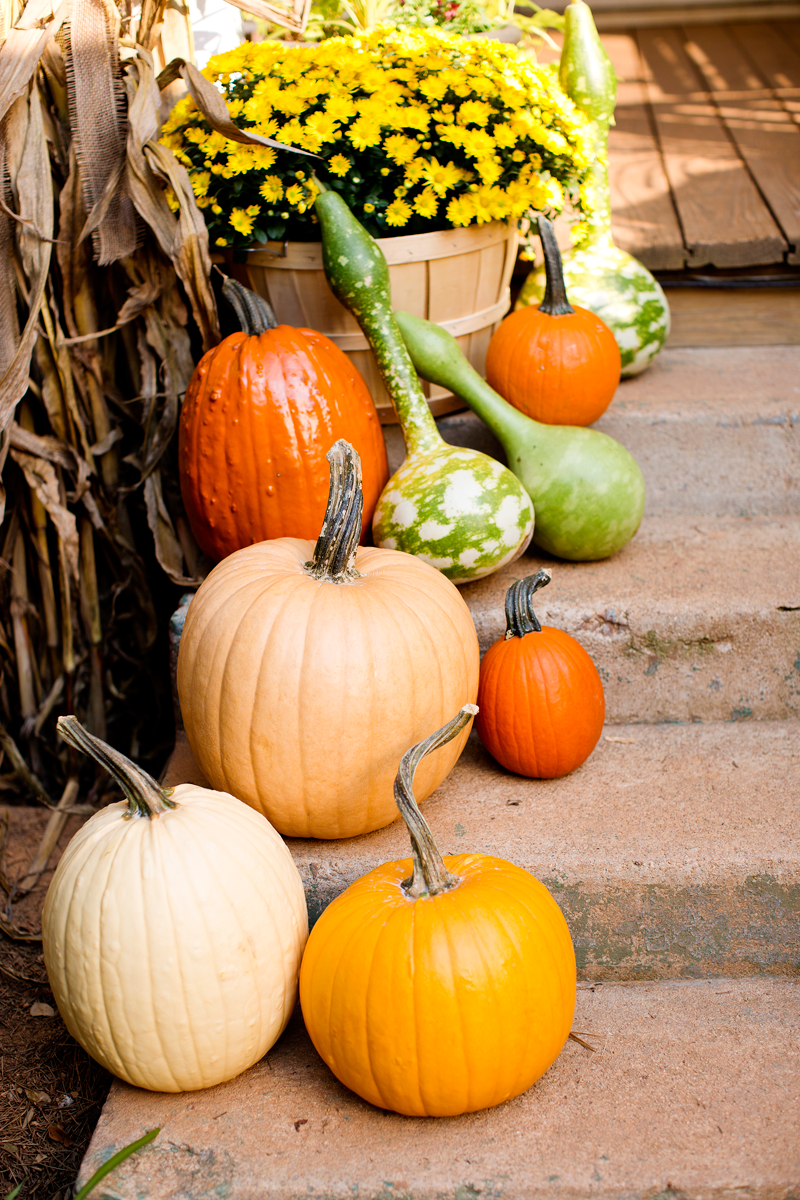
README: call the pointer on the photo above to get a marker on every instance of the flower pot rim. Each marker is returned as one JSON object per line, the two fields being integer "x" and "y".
{"x": 438, "y": 243}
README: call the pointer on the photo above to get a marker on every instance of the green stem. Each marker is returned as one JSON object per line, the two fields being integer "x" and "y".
{"x": 438, "y": 358}
{"x": 358, "y": 276}
{"x": 430, "y": 875}
{"x": 335, "y": 551}
{"x": 555, "y": 303}
{"x": 520, "y": 617}
{"x": 255, "y": 314}
{"x": 145, "y": 797}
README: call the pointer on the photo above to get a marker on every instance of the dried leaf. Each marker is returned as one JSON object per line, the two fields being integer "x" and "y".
{"x": 215, "y": 111}
{"x": 57, "y": 1134}
{"x": 38, "y": 1009}
{"x": 24, "y": 46}
{"x": 168, "y": 547}
{"x": 33, "y": 184}
{"x": 42, "y": 478}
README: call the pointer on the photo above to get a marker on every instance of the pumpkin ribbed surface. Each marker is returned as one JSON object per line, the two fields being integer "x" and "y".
{"x": 300, "y": 695}
{"x": 172, "y": 944}
{"x": 560, "y": 370}
{"x": 260, "y": 414}
{"x": 541, "y": 703}
{"x": 446, "y": 1003}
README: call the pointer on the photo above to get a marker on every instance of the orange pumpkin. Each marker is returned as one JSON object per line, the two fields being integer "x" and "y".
{"x": 555, "y": 363}
{"x": 433, "y": 986}
{"x": 541, "y": 698}
{"x": 261, "y": 411}
{"x": 305, "y": 671}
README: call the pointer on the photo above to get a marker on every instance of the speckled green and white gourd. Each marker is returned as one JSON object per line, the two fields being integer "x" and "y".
{"x": 599, "y": 276}
{"x": 455, "y": 508}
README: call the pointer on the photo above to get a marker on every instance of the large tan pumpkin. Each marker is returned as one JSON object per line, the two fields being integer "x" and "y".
{"x": 305, "y": 673}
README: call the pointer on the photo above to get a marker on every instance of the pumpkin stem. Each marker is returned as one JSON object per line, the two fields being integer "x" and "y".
{"x": 255, "y": 315}
{"x": 430, "y": 875}
{"x": 145, "y": 797}
{"x": 335, "y": 551}
{"x": 555, "y": 303}
{"x": 520, "y": 617}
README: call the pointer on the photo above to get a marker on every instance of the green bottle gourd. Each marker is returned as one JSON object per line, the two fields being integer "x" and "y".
{"x": 599, "y": 276}
{"x": 587, "y": 489}
{"x": 457, "y": 509}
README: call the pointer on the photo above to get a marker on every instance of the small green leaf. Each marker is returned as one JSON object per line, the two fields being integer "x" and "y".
{"x": 14, "y": 1191}
{"x": 113, "y": 1162}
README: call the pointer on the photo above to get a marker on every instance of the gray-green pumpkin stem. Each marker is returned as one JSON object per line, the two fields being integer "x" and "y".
{"x": 430, "y": 876}
{"x": 335, "y": 551}
{"x": 520, "y": 617}
{"x": 145, "y": 797}
{"x": 555, "y": 303}
{"x": 255, "y": 314}
{"x": 358, "y": 276}
{"x": 587, "y": 75}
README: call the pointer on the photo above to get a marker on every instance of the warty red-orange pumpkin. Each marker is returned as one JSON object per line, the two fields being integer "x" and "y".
{"x": 261, "y": 411}
{"x": 433, "y": 986}
{"x": 541, "y": 698}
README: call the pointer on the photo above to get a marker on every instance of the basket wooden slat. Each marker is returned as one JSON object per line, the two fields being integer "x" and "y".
{"x": 458, "y": 278}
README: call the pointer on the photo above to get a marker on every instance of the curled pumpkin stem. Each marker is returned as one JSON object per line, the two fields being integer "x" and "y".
{"x": 430, "y": 875}
{"x": 520, "y": 617}
{"x": 555, "y": 303}
{"x": 255, "y": 315}
{"x": 145, "y": 797}
{"x": 335, "y": 551}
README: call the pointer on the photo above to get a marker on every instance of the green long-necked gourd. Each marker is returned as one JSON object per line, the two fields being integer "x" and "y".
{"x": 457, "y": 509}
{"x": 587, "y": 490}
{"x": 599, "y": 276}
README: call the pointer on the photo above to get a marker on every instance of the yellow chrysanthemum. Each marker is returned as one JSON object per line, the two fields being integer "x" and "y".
{"x": 243, "y": 219}
{"x": 398, "y": 213}
{"x": 271, "y": 189}
{"x": 461, "y": 210}
{"x": 426, "y": 203}
{"x": 400, "y": 149}
{"x": 339, "y": 165}
{"x": 364, "y": 133}
{"x": 441, "y": 178}
{"x": 475, "y": 112}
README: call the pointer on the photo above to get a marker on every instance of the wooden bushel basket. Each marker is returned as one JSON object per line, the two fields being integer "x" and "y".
{"x": 458, "y": 278}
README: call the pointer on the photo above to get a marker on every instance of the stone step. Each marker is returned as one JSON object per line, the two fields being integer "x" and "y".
{"x": 693, "y": 1092}
{"x": 715, "y": 431}
{"x": 672, "y": 851}
{"x": 698, "y": 618}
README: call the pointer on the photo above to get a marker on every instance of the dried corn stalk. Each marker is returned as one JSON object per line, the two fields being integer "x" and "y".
{"x": 105, "y": 306}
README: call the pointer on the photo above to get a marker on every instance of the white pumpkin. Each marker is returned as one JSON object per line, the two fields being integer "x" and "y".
{"x": 173, "y": 931}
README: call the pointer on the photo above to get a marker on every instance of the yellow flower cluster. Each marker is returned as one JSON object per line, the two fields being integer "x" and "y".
{"x": 417, "y": 129}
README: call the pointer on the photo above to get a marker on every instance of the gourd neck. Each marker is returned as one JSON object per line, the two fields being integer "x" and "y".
{"x": 145, "y": 797}
{"x": 255, "y": 314}
{"x": 520, "y": 617}
{"x": 335, "y": 551}
{"x": 595, "y": 228}
{"x": 555, "y": 303}
{"x": 430, "y": 876}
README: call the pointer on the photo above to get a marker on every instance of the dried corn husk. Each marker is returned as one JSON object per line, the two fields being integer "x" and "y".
{"x": 99, "y": 340}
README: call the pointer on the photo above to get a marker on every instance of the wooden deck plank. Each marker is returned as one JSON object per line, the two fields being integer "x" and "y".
{"x": 643, "y": 215}
{"x": 724, "y": 219}
{"x": 771, "y": 50}
{"x": 765, "y": 134}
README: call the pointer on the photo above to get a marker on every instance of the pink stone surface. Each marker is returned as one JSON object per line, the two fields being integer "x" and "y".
{"x": 694, "y": 1090}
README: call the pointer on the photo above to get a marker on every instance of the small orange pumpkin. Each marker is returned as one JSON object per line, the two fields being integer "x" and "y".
{"x": 433, "y": 986}
{"x": 555, "y": 363}
{"x": 261, "y": 411}
{"x": 541, "y": 698}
